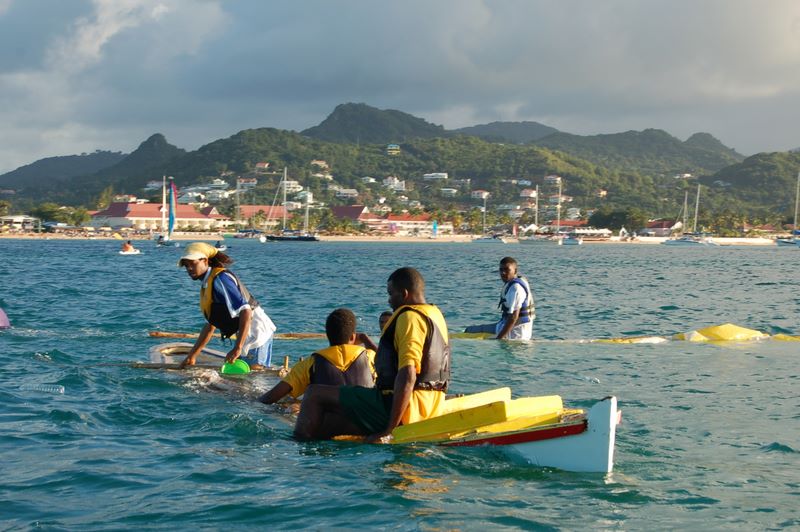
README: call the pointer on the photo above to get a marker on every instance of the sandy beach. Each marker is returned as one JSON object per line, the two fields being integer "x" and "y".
{"x": 645, "y": 240}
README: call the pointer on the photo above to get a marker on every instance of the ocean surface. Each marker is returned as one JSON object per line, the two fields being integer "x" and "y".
{"x": 710, "y": 434}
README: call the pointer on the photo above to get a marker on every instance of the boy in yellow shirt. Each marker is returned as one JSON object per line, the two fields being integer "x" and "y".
{"x": 344, "y": 362}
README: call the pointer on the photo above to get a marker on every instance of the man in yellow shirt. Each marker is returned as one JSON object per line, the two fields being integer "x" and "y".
{"x": 344, "y": 362}
{"x": 412, "y": 366}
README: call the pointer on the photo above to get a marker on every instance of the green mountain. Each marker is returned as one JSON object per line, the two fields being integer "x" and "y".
{"x": 516, "y": 132}
{"x": 128, "y": 175}
{"x": 360, "y": 123}
{"x": 768, "y": 180}
{"x": 651, "y": 151}
{"x": 53, "y": 169}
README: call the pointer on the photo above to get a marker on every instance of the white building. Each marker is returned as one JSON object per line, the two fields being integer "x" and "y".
{"x": 368, "y": 179}
{"x": 394, "y": 183}
{"x": 218, "y": 184}
{"x": 215, "y": 195}
{"x": 479, "y": 194}
{"x": 448, "y": 192}
{"x": 528, "y": 193}
{"x": 293, "y": 205}
{"x": 291, "y": 186}
{"x": 347, "y": 193}
{"x": 435, "y": 175}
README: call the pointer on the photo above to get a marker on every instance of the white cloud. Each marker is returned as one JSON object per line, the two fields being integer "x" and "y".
{"x": 197, "y": 70}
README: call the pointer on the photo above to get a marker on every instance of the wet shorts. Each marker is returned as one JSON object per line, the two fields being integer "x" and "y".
{"x": 367, "y": 407}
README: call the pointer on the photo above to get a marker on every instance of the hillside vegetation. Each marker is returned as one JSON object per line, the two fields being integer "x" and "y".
{"x": 633, "y": 169}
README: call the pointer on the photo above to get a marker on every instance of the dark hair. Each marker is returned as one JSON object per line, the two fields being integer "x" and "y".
{"x": 220, "y": 260}
{"x": 340, "y": 326}
{"x": 508, "y": 260}
{"x": 408, "y": 278}
{"x": 386, "y": 314}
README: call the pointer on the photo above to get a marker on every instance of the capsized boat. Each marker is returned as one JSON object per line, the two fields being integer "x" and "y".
{"x": 532, "y": 430}
{"x": 172, "y": 354}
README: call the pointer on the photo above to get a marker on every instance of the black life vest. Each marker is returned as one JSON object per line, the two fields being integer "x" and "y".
{"x": 435, "y": 374}
{"x": 527, "y": 312}
{"x": 359, "y": 373}
{"x": 216, "y": 312}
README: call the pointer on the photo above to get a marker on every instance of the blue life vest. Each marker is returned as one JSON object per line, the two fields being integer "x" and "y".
{"x": 527, "y": 312}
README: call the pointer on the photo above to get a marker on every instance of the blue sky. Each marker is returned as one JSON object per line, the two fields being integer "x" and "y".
{"x": 80, "y": 75}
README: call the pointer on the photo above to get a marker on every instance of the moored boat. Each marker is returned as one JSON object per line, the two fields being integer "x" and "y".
{"x": 690, "y": 239}
{"x": 490, "y": 239}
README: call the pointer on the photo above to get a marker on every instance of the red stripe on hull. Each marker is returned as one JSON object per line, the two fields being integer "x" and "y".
{"x": 523, "y": 437}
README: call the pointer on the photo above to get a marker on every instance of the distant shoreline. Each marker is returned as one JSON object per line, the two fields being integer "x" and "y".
{"x": 645, "y": 240}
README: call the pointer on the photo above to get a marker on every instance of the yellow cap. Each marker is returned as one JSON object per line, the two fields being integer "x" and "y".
{"x": 197, "y": 251}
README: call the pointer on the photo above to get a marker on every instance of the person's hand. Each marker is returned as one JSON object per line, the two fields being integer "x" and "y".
{"x": 188, "y": 361}
{"x": 233, "y": 354}
{"x": 380, "y": 437}
{"x": 361, "y": 338}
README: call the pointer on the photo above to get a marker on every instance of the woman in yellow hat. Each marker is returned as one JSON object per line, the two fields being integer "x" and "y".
{"x": 228, "y": 306}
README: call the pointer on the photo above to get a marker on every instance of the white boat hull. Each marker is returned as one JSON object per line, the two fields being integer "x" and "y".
{"x": 132, "y": 252}
{"x": 586, "y": 446}
{"x": 689, "y": 241}
{"x": 175, "y": 352}
{"x": 490, "y": 240}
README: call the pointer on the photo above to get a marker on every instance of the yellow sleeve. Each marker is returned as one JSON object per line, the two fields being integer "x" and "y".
{"x": 300, "y": 376}
{"x": 409, "y": 338}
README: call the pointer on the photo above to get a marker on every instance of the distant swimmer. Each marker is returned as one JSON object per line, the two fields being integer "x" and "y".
{"x": 228, "y": 306}
{"x": 343, "y": 362}
{"x": 4, "y": 323}
{"x": 516, "y": 306}
{"x": 127, "y": 247}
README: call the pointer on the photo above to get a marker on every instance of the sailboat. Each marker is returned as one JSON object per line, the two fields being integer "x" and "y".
{"x": 487, "y": 238}
{"x": 293, "y": 236}
{"x": 169, "y": 210}
{"x": 534, "y": 238}
{"x": 793, "y": 241}
{"x": 694, "y": 238}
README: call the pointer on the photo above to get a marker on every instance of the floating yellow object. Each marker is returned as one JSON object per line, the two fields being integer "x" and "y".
{"x": 785, "y": 337}
{"x": 726, "y": 332}
{"x": 476, "y": 336}
{"x": 497, "y": 416}
{"x": 632, "y": 340}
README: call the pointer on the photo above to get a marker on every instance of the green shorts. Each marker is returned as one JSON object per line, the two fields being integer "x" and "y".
{"x": 367, "y": 407}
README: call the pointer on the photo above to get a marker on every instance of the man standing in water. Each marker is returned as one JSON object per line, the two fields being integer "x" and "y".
{"x": 412, "y": 366}
{"x": 516, "y": 305}
{"x": 228, "y": 306}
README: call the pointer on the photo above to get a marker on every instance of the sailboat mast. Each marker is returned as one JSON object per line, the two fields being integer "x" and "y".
{"x": 696, "y": 209}
{"x": 558, "y": 210}
{"x": 305, "y": 222}
{"x": 284, "y": 198}
{"x": 796, "y": 204}
{"x": 484, "y": 213}
{"x": 685, "y": 210}
{"x": 536, "y": 208}
{"x": 163, "y": 204}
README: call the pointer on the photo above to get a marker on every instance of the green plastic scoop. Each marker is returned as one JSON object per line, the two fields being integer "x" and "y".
{"x": 239, "y": 367}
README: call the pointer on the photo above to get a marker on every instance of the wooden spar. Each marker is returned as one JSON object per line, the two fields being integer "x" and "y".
{"x": 282, "y": 336}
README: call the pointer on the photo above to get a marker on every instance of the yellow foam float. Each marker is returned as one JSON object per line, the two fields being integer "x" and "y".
{"x": 785, "y": 337}
{"x": 632, "y": 340}
{"x": 727, "y": 332}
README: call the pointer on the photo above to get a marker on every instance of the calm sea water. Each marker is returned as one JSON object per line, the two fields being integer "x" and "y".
{"x": 710, "y": 433}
